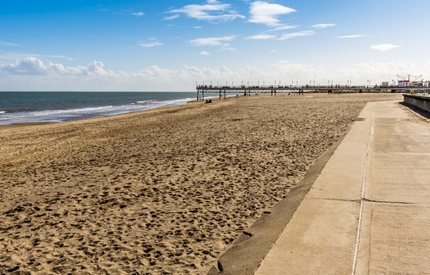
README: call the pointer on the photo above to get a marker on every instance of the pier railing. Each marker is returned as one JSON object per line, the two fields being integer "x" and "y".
{"x": 247, "y": 90}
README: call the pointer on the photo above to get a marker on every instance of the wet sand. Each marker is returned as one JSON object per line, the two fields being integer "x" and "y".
{"x": 166, "y": 190}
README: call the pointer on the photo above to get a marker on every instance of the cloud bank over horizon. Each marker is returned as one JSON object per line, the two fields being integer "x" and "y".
{"x": 95, "y": 76}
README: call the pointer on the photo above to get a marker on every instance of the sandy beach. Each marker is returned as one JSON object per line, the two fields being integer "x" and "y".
{"x": 161, "y": 191}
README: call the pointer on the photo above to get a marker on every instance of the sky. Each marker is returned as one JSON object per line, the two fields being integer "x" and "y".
{"x": 174, "y": 45}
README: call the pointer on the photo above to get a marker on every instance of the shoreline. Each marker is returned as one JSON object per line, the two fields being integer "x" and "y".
{"x": 54, "y": 107}
{"x": 162, "y": 190}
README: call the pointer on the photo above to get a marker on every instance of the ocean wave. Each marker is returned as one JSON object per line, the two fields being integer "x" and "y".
{"x": 146, "y": 101}
{"x": 84, "y": 113}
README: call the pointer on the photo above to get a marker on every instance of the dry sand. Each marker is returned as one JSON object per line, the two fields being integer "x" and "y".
{"x": 160, "y": 191}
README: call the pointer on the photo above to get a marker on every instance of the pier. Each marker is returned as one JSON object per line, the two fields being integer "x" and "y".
{"x": 247, "y": 90}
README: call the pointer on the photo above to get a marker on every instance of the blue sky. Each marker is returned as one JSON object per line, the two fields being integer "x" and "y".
{"x": 172, "y": 45}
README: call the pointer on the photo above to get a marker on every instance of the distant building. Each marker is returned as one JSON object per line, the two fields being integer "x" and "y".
{"x": 403, "y": 83}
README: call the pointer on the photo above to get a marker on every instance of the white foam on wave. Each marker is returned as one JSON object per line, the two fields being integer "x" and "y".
{"x": 146, "y": 101}
{"x": 83, "y": 113}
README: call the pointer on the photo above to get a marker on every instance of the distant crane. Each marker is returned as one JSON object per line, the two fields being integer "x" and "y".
{"x": 418, "y": 78}
{"x": 403, "y": 78}
{"x": 418, "y": 81}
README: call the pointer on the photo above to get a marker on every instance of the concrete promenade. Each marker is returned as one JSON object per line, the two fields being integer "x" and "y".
{"x": 368, "y": 212}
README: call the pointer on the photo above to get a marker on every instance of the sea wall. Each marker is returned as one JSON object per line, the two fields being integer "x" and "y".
{"x": 422, "y": 102}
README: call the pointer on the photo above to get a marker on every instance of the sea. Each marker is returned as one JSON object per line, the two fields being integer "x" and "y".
{"x": 36, "y": 107}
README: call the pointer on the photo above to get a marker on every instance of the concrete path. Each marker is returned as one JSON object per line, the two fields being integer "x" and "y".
{"x": 369, "y": 210}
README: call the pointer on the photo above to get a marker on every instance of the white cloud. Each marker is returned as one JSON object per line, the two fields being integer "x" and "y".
{"x": 296, "y": 34}
{"x": 212, "y": 41}
{"x": 283, "y": 62}
{"x": 213, "y": 11}
{"x": 97, "y": 68}
{"x": 267, "y": 14}
{"x": 173, "y": 17}
{"x": 204, "y": 53}
{"x": 351, "y": 36}
{"x": 28, "y": 66}
{"x": 9, "y": 44}
{"x": 33, "y": 66}
{"x": 283, "y": 27}
{"x": 138, "y": 14}
{"x": 151, "y": 43}
{"x": 227, "y": 47}
{"x": 384, "y": 47}
{"x": 261, "y": 37}
{"x": 11, "y": 58}
{"x": 323, "y": 26}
